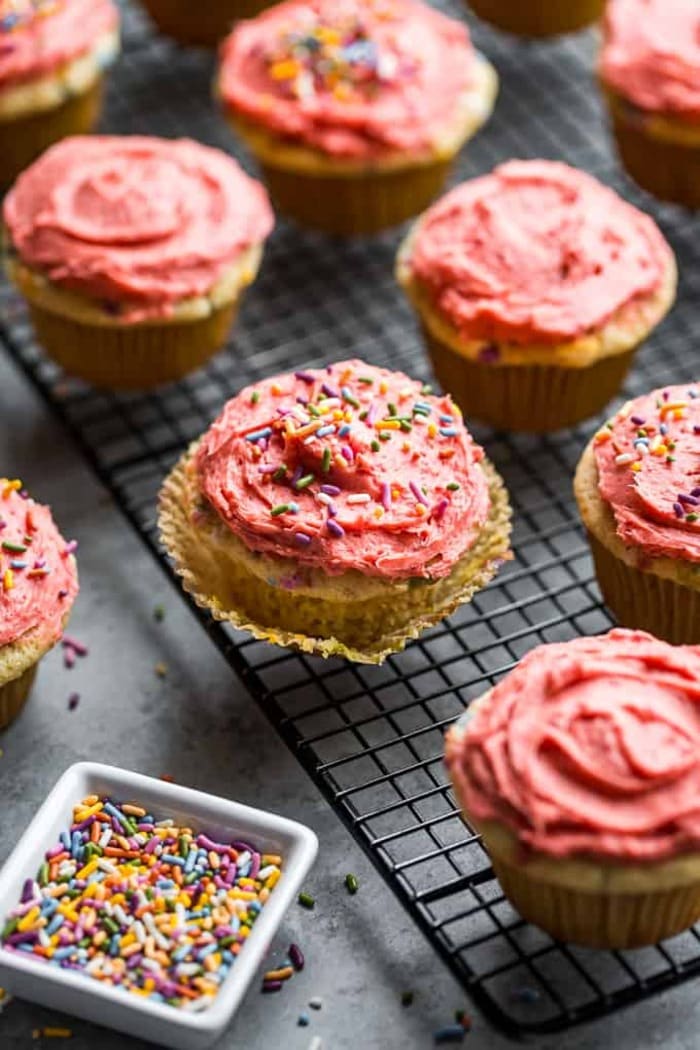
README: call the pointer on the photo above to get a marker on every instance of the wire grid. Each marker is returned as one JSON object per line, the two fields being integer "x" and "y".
{"x": 371, "y": 738}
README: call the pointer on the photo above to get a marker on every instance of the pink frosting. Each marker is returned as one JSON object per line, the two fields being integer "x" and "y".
{"x": 35, "y": 42}
{"x": 648, "y": 460}
{"x": 536, "y": 252}
{"x": 399, "y": 69}
{"x": 651, "y": 54}
{"x": 372, "y": 473}
{"x": 590, "y": 747}
{"x": 38, "y": 578}
{"x": 138, "y": 223}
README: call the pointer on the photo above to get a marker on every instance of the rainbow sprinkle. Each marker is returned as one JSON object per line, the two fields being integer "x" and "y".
{"x": 141, "y": 904}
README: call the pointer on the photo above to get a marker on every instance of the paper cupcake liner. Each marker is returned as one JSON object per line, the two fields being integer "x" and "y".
{"x": 350, "y": 205}
{"x": 669, "y": 170}
{"x": 22, "y": 140}
{"x": 534, "y": 398}
{"x": 646, "y": 601}
{"x": 364, "y": 631}
{"x": 131, "y": 357}
{"x": 539, "y": 17}
{"x": 200, "y": 25}
{"x": 14, "y": 695}
{"x": 599, "y": 920}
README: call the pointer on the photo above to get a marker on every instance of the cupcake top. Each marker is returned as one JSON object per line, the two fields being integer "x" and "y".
{"x": 648, "y": 459}
{"x": 535, "y": 252}
{"x": 651, "y": 55}
{"x": 589, "y": 747}
{"x": 134, "y": 222}
{"x": 38, "y": 577}
{"x": 37, "y": 36}
{"x": 352, "y": 78}
{"x": 346, "y": 468}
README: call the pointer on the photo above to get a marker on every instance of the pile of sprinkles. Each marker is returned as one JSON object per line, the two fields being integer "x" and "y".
{"x": 17, "y": 14}
{"x": 638, "y": 440}
{"x": 16, "y": 556}
{"x": 142, "y": 904}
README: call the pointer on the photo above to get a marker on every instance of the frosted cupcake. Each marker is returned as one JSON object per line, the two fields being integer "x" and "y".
{"x": 201, "y": 25}
{"x": 638, "y": 491}
{"x": 581, "y": 770}
{"x": 354, "y": 109}
{"x": 650, "y": 70}
{"x": 133, "y": 254}
{"x": 339, "y": 511}
{"x": 53, "y": 54}
{"x": 534, "y": 286}
{"x": 38, "y": 585}
{"x": 539, "y": 18}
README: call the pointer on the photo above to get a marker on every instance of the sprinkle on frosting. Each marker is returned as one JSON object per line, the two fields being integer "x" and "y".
{"x": 648, "y": 459}
{"x": 301, "y": 460}
{"x": 38, "y": 578}
{"x": 589, "y": 747}
{"x": 16, "y": 14}
{"x": 536, "y": 251}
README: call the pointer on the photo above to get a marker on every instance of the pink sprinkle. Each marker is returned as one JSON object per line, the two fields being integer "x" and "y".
{"x": 70, "y": 548}
{"x": 73, "y": 643}
{"x": 417, "y": 493}
{"x": 348, "y": 453}
{"x": 440, "y": 508}
{"x": 386, "y": 495}
{"x": 69, "y": 658}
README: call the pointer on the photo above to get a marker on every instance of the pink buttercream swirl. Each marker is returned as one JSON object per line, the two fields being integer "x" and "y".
{"x": 347, "y": 468}
{"x": 137, "y": 223}
{"x": 536, "y": 251}
{"x": 651, "y": 55}
{"x": 352, "y": 78}
{"x": 648, "y": 460}
{"x": 589, "y": 747}
{"x": 38, "y": 578}
{"x": 36, "y": 38}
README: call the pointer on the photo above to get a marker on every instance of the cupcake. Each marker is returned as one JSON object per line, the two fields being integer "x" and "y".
{"x": 38, "y": 585}
{"x": 539, "y": 18}
{"x": 534, "y": 285}
{"x": 650, "y": 71}
{"x": 339, "y": 511}
{"x": 581, "y": 771}
{"x": 202, "y": 25}
{"x": 53, "y": 54}
{"x": 638, "y": 491}
{"x": 133, "y": 253}
{"x": 354, "y": 109}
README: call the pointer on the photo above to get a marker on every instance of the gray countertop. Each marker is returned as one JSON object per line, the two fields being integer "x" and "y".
{"x": 199, "y": 725}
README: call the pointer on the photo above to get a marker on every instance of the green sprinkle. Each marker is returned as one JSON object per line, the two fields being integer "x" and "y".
{"x": 159, "y": 613}
{"x": 9, "y": 928}
{"x": 363, "y": 414}
{"x": 13, "y": 548}
{"x": 426, "y": 389}
{"x": 312, "y": 410}
{"x": 351, "y": 400}
{"x": 255, "y": 397}
{"x": 183, "y": 845}
{"x": 691, "y": 517}
{"x": 351, "y": 883}
{"x": 326, "y": 461}
{"x": 281, "y": 508}
{"x": 452, "y": 487}
{"x": 374, "y": 445}
{"x": 393, "y": 410}
{"x": 303, "y": 483}
{"x": 406, "y": 998}
{"x": 110, "y": 924}
{"x": 405, "y": 426}
{"x": 670, "y": 459}
{"x": 306, "y": 900}
{"x": 365, "y": 379}
{"x": 43, "y": 874}
{"x": 385, "y": 435}
{"x": 279, "y": 473}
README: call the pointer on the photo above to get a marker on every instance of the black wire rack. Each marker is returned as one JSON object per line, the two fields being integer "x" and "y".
{"x": 371, "y": 738}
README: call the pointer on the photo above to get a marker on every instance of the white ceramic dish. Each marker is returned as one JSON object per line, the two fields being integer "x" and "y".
{"x": 219, "y": 818}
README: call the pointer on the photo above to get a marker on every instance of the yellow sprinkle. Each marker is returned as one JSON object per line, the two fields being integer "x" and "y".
{"x": 10, "y": 487}
{"x": 91, "y": 800}
{"x": 432, "y": 430}
{"x": 659, "y": 450}
{"x": 636, "y": 467}
{"x": 671, "y": 406}
{"x": 88, "y": 812}
{"x": 378, "y": 512}
{"x": 420, "y": 509}
{"x": 8, "y": 580}
{"x": 601, "y": 436}
{"x": 285, "y": 70}
{"x": 28, "y": 920}
{"x": 283, "y": 974}
{"x": 387, "y": 424}
{"x": 271, "y": 858}
{"x": 272, "y": 879}
{"x": 383, "y": 386}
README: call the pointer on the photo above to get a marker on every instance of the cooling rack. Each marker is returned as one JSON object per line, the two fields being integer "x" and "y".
{"x": 371, "y": 738}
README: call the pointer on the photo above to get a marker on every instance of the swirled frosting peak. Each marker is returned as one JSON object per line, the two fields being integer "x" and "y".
{"x": 38, "y": 578}
{"x": 536, "y": 251}
{"x": 589, "y": 747}
{"x": 139, "y": 223}
{"x": 354, "y": 78}
{"x": 349, "y": 467}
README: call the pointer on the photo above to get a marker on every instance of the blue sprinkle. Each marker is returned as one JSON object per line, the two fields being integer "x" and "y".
{"x": 322, "y": 432}
{"x": 209, "y": 950}
{"x": 448, "y": 432}
{"x": 170, "y": 858}
{"x": 452, "y": 1033}
{"x": 344, "y": 430}
{"x": 258, "y": 435}
{"x": 304, "y": 1020}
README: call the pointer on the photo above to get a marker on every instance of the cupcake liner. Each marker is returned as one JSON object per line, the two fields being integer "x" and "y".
{"x": 202, "y": 25}
{"x": 22, "y": 140}
{"x": 129, "y": 357}
{"x": 669, "y": 170}
{"x": 538, "y": 17}
{"x": 535, "y": 398}
{"x": 350, "y": 204}
{"x": 220, "y": 579}
{"x": 14, "y": 694}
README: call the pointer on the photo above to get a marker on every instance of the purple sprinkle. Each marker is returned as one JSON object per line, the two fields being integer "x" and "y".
{"x": 297, "y": 475}
{"x": 255, "y": 866}
{"x": 329, "y": 391}
{"x": 217, "y": 847}
{"x": 334, "y": 528}
{"x": 28, "y": 888}
{"x": 71, "y": 547}
{"x": 678, "y": 509}
{"x": 63, "y": 593}
{"x": 696, "y": 429}
{"x": 417, "y": 493}
{"x": 305, "y": 377}
{"x": 302, "y": 539}
{"x": 330, "y": 490}
{"x": 691, "y": 501}
{"x": 488, "y": 354}
{"x": 386, "y": 495}
{"x": 695, "y": 492}
{"x": 665, "y": 395}
{"x": 73, "y": 701}
{"x": 638, "y": 420}
{"x": 272, "y": 986}
{"x": 73, "y": 643}
{"x": 302, "y": 400}
{"x": 332, "y": 510}
{"x": 347, "y": 453}
{"x": 296, "y": 956}
{"x": 69, "y": 658}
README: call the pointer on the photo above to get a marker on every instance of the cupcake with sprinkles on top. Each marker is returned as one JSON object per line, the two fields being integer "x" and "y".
{"x": 38, "y": 585}
{"x": 53, "y": 54}
{"x": 638, "y": 490}
{"x": 355, "y": 109}
{"x": 339, "y": 511}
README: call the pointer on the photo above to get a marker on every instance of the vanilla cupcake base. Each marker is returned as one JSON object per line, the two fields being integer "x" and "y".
{"x": 354, "y": 616}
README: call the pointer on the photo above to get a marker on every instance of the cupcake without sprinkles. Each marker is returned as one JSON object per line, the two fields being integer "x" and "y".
{"x": 534, "y": 286}
{"x": 638, "y": 491}
{"x": 133, "y": 254}
{"x": 53, "y": 54}
{"x": 339, "y": 511}
{"x": 354, "y": 109}
{"x": 581, "y": 770}
{"x": 38, "y": 585}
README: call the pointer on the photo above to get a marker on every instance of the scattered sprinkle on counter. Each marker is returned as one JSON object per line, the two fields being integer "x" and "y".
{"x": 407, "y": 998}
{"x": 307, "y": 901}
{"x": 52, "y": 1033}
{"x": 142, "y": 904}
{"x": 351, "y": 884}
{"x": 161, "y": 670}
{"x": 159, "y": 613}
{"x": 73, "y": 701}
{"x": 451, "y": 1033}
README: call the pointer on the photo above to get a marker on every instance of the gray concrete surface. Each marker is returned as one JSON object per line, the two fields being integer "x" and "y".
{"x": 199, "y": 725}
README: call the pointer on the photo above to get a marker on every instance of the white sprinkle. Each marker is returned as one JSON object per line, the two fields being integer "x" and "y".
{"x": 316, "y": 1043}
{"x": 316, "y": 1003}
{"x": 195, "y": 1006}
{"x": 139, "y": 932}
{"x": 188, "y": 969}
{"x": 150, "y": 964}
{"x": 359, "y": 497}
{"x": 626, "y": 457}
{"x": 105, "y": 837}
{"x": 265, "y": 873}
{"x": 106, "y": 865}
{"x": 323, "y": 497}
{"x": 169, "y": 823}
